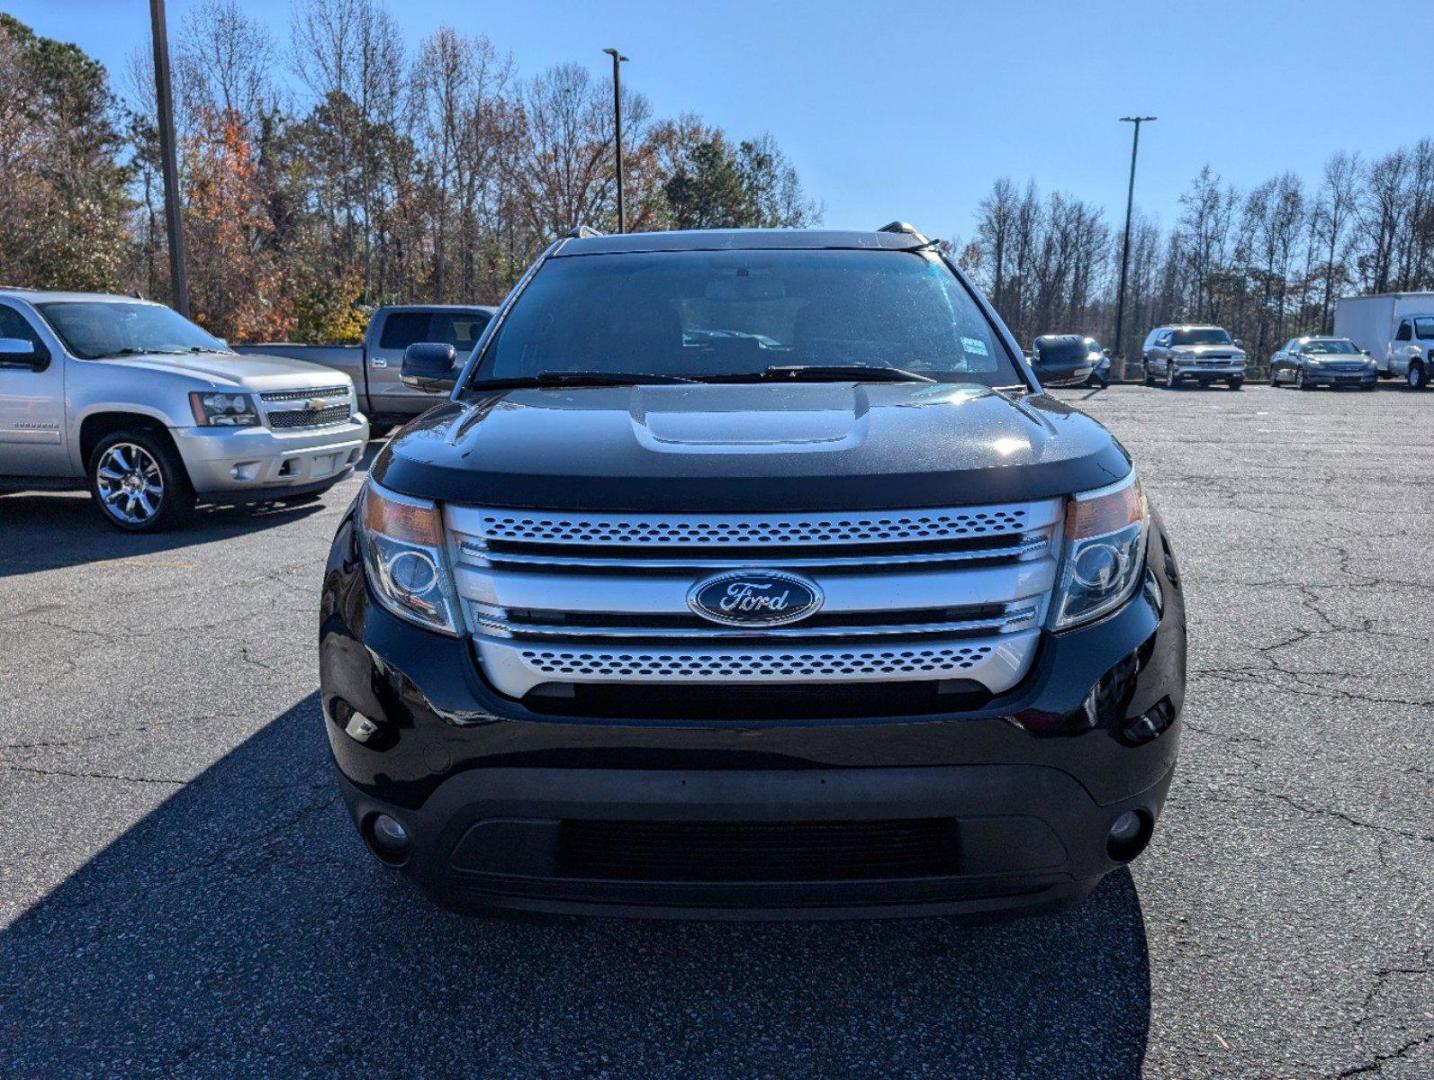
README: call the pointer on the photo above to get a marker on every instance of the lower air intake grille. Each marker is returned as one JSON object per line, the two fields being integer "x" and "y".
{"x": 757, "y": 851}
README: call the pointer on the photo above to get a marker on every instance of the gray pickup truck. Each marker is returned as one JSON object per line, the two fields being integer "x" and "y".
{"x": 374, "y": 365}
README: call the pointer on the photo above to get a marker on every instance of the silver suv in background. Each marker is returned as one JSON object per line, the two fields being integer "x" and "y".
{"x": 153, "y": 414}
{"x": 1203, "y": 354}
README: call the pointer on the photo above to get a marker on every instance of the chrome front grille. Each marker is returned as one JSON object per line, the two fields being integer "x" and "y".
{"x": 750, "y": 529}
{"x": 305, "y": 395}
{"x": 309, "y": 418}
{"x": 603, "y": 598}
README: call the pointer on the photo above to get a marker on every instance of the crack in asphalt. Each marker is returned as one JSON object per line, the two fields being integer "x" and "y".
{"x": 12, "y": 767}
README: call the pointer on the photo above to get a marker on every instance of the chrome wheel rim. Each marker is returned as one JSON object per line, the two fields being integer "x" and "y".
{"x": 130, "y": 484}
{"x": 1414, "y": 376}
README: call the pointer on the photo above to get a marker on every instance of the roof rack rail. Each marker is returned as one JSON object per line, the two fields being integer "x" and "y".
{"x": 904, "y": 227}
{"x": 584, "y": 232}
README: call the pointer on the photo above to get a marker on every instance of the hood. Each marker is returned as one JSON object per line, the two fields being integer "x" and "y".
{"x": 232, "y": 371}
{"x": 804, "y": 446}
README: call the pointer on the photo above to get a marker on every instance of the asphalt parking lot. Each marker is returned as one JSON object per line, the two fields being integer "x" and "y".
{"x": 181, "y": 893}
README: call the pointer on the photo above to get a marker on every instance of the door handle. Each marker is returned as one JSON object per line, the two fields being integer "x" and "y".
{"x": 379, "y": 361}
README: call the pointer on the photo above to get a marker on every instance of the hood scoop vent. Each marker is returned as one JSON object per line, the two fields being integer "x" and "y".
{"x": 748, "y": 419}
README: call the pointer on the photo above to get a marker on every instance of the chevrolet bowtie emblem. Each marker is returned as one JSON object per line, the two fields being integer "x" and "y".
{"x": 314, "y": 405}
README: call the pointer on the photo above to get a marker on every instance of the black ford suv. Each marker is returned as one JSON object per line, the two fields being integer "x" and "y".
{"x": 751, "y": 573}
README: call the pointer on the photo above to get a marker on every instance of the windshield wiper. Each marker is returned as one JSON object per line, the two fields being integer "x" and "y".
{"x": 841, "y": 373}
{"x": 581, "y": 378}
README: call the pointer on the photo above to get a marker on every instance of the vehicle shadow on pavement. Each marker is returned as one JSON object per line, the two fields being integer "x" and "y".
{"x": 74, "y": 535}
{"x": 50, "y": 531}
{"x": 241, "y": 928}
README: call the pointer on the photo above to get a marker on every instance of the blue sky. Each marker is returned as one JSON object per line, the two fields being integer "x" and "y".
{"x": 911, "y": 109}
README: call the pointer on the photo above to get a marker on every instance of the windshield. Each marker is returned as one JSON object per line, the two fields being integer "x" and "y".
{"x": 739, "y": 314}
{"x": 1061, "y": 350}
{"x": 1200, "y": 336}
{"x": 92, "y": 329}
{"x": 1330, "y": 346}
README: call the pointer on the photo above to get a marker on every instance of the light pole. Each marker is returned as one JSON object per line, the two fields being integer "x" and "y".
{"x": 617, "y": 59}
{"x": 164, "y": 101}
{"x": 1125, "y": 247}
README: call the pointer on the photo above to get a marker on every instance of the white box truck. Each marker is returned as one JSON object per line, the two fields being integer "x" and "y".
{"x": 1397, "y": 329}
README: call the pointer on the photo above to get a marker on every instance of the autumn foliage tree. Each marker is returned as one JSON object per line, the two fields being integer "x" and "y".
{"x": 237, "y": 287}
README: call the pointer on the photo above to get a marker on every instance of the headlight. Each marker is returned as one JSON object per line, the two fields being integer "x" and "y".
{"x": 224, "y": 410}
{"x": 402, "y": 543}
{"x": 1104, "y": 552}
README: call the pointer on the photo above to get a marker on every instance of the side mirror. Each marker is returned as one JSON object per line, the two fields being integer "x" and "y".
{"x": 430, "y": 366}
{"x": 1239, "y": 343}
{"x": 19, "y": 353}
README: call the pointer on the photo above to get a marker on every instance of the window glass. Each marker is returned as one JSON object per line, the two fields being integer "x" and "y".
{"x": 1331, "y": 347}
{"x": 15, "y": 325}
{"x": 1200, "y": 335}
{"x": 94, "y": 328}
{"x": 1424, "y": 329}
{"x": 460, "y": 329}
{"x": 1403, "y": 334}
{"x": 733, "y": 314}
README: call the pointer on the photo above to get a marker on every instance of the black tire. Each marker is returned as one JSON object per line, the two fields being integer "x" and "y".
{"x": 1236, "y": 384}
{"x": 1418, "y": 378}
{"x": 1172, "y": 380}
{"x": 1149, "y": 378}
{"x": 170, "y": 505}
{"x": 1300, "y": 382}
{"x": 1274, "y": 379}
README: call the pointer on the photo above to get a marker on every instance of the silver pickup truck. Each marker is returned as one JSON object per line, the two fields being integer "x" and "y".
{"x": 374, "y": 365}
{"x": 153, "y": 414}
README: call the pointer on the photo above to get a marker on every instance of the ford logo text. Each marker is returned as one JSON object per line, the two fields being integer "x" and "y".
{"x": 755, "y": 598}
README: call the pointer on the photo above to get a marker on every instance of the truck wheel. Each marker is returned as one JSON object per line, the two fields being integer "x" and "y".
{"x": 1300, "y": 383}
{"x": 1171, "y": 379}
{"x": 139, "y": 483}
{"x": 1417, "y": 379}
{"x": 1274, "y": 379}
{"x": 1149, "y": 378}
{"x": 1236, "y": 383}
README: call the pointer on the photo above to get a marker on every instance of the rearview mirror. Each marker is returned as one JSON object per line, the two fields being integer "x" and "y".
{"x": 19, "y": 353}
{"x": 430, "y": 366}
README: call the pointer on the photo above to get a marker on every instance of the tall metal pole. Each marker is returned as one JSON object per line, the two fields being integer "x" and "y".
{"x": 164, "y": 99}
{"x": 1125, "y": 247}
{"x": 617, "y": 59}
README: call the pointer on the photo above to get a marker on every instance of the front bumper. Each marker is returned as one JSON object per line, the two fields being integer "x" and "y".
{"x": 513, "y": 808}
{"x": 1210, "y": 372}
{"x": 1315, "y": 377}
{"x": 234, "y": 464}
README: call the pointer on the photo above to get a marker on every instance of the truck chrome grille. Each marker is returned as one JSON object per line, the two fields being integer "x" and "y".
{"x": 306, "y": 418}
{"x": 921, "y": 595}
{"x": 305, "y": 395}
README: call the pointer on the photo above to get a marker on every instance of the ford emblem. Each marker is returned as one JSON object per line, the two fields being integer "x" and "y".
{"x": 755, "y": 598}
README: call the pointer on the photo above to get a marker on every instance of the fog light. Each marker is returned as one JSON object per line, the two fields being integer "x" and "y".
{"x": 1151, "y": 723}
{"x": 1128, "y": 835}
{"x": 387, "y": 838}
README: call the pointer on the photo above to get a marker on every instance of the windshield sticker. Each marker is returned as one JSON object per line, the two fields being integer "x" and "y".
{"x": 974, "y": 345}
